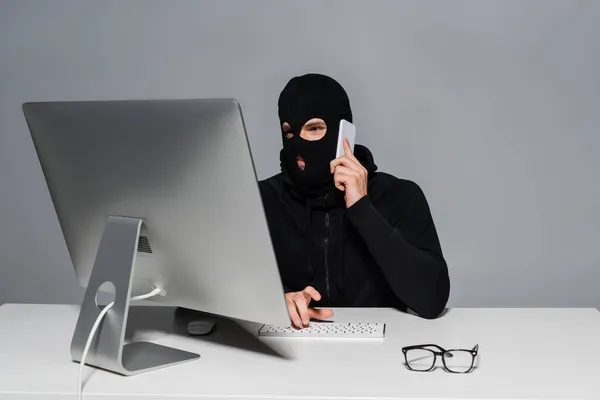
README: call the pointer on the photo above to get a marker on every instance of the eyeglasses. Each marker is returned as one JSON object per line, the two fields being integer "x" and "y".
{"x": 422, "y": 358}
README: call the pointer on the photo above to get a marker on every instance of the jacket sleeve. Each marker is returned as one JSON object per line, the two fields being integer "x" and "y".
{"x": 407, "y": 250}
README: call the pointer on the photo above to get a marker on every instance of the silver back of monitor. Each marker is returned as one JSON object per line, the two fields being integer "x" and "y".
{"x": 183, "y": 167}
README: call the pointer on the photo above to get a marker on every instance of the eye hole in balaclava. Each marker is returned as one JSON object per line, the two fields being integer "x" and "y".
{"x": 304, "y": 98}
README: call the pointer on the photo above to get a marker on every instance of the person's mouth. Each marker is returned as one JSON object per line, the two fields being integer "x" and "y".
{"x": 300, "y": 162}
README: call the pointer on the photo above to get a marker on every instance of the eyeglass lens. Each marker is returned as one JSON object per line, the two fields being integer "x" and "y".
{"x": 420, "y": 359}
{"x": 459, "y": 361}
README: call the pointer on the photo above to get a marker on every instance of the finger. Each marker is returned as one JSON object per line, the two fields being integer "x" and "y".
{"x": 344, "y": 176}
{"x": 340, "y": 180}
{"x": 294, "y": 313}
{"x": 339, "y": 186}
{"x": 312, "y": 294}
{"x": 302, "y": 310}
{"x": 321, "y": 313}
{"x": 345, "y": 173}
{"x": 347, "y": 149}
{"x": 346, "y": 162}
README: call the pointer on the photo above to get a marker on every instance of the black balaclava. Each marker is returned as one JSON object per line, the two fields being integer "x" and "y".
{"x": 304, "y": 98}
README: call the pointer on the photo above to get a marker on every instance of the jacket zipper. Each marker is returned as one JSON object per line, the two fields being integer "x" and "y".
{"x": 326, "y": 253}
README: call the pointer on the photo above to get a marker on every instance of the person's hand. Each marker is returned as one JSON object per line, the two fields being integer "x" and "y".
{"x": 299, "y": 310}
{"x": 349, "y": 176}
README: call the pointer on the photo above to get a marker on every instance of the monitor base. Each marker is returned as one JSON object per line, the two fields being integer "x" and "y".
{"x": 115, "y": 263}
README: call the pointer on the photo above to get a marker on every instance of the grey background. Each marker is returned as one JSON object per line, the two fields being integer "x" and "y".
{"x": 491, "y": 106}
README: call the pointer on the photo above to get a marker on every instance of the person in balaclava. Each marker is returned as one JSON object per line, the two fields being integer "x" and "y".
{"x": 345, "y": 234}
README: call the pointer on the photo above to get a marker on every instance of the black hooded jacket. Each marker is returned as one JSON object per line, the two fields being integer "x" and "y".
{"x": 383, "y": 251}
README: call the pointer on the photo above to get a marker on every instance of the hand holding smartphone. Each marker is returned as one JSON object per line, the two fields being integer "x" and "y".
{"x": 349, "y": 176}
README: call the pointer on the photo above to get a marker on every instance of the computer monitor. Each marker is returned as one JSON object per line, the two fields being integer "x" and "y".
{"x": 157, "y": 193}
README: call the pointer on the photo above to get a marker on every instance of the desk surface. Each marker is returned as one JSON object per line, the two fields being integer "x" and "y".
{"x": 524, "y": 354}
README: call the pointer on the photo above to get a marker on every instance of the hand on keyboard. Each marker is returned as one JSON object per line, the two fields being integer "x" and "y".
{"x": 299, "y": 310}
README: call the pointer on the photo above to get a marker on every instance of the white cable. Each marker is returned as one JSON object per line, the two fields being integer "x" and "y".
{"x": 93, "y": 333}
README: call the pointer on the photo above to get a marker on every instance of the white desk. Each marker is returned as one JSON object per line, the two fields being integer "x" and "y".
{"x": 524, "y": 354}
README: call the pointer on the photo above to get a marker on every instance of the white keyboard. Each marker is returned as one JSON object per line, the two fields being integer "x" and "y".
{"x": 356, "y": 330}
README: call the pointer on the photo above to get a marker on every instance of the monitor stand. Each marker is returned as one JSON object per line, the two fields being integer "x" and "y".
{"x": 114, "y": 263}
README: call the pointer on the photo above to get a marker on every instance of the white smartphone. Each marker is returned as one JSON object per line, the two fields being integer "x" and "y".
{"x": 347, "y": 130}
